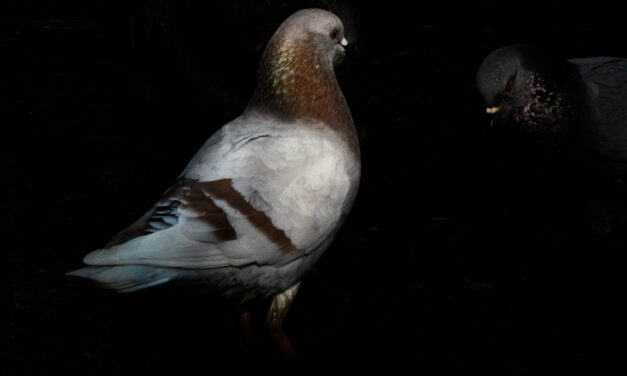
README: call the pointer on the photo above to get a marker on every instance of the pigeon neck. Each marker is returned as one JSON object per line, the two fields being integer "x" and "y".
{"x": 549, "y": 107}
{"x": 296, "y": 83}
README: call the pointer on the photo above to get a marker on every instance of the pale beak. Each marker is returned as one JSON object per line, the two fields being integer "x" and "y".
{"x": 492, "y": 110}
{"x": 344, "y": 42}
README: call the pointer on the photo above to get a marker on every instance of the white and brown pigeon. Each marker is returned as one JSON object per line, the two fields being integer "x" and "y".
{"x": 264, "y": 197}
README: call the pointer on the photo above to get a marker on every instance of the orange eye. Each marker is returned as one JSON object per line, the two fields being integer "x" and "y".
{"x": 333, "y": 34}
{"x": 509, "y": 85}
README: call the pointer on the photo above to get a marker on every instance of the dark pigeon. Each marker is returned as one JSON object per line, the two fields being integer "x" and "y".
{"x": 569, "y": 114}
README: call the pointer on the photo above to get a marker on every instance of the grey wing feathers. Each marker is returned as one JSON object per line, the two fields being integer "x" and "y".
{"x": 167, "y": 212}
{"x": 604, "y": 107}
{"x": 124, "y": 278}
{"x": 163, "y": 215}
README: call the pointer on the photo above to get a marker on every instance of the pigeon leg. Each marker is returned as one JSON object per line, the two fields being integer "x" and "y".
{"x": 278, "y": 309}
{"x": 247, "y": 328}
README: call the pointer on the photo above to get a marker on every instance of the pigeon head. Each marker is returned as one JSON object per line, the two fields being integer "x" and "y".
{"x": 526, "y": 90}
{"x": 296, "y": 79}
{"x": 319, "y": 30}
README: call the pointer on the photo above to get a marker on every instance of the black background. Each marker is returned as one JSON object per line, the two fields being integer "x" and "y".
{"x": 451, "y": 262}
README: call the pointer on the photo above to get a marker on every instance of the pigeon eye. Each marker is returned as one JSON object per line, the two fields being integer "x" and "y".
{"x": 509, "y": 85}
{"x": 333, "y": 34}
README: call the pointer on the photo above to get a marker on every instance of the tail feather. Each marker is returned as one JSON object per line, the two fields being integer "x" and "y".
{"x": 124, "y": 278}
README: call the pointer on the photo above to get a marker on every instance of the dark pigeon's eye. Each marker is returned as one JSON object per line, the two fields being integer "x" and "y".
{"x": 333, "y": 34}
{"x": 509, "y": 85}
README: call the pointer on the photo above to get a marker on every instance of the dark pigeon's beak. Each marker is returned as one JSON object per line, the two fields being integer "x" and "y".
{"x": 492, "y": 111}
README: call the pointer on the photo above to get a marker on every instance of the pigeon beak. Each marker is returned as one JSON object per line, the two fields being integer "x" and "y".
{"x": 493, "y": 111}
{"x": 340, "y": 47}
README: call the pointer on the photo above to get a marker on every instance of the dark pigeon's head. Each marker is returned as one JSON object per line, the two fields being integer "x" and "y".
{"x": 526, "y": 90}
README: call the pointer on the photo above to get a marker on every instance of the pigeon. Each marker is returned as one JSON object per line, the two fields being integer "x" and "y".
{"x": 566, "y": 118}
{"x": 576, "y": 107}
{"x": 264, "y": 196}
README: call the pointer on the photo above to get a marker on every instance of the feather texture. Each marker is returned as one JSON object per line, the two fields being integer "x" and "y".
{"x": 263, "y": 198}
